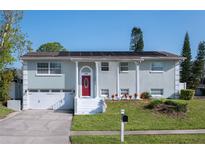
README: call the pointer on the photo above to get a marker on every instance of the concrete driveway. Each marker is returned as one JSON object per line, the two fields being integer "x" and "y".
{"x": 36, "y": 126}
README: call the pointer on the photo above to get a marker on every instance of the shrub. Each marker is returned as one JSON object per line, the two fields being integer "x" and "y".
{"x": 125, "y": 95}
{"x": 167, "y": 106}
{"x": 154, "y": 103}
{"x": 113, "y": 96}
{"x": 179, "y": 106}
{"x": 135, "y": 95}
{"x": 187, "y": 94}
{"x": 5, "y": 80}
{"x": 145, "y": 95}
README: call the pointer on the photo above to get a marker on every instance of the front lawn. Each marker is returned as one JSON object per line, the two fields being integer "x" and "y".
{"x": 141, "y": 139}
{"x": 141, "y": 119}
{"x": 4, "y": 111}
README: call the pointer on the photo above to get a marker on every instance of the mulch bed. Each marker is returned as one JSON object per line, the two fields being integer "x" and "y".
{"x": 168, "y": 110}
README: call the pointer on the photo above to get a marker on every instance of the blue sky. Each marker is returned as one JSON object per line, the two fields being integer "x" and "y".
{"x": 110, "y": 30}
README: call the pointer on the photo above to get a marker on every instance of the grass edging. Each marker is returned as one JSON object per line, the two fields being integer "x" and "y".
{"x": 5, "y": 112}
{"x": 141, "y": 139}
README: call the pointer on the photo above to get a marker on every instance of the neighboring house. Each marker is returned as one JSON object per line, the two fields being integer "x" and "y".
{"x": 82, "y": 80}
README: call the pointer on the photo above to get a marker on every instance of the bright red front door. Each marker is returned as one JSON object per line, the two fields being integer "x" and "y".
{"x": 85, "y": 85}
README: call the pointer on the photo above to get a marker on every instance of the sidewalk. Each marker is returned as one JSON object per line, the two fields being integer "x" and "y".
{"x": 146, "y": 132}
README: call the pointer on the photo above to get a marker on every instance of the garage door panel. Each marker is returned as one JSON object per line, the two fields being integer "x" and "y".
{"x": 50, "y": 100}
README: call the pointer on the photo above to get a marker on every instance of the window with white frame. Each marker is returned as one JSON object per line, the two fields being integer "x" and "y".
{"x": 124, "y": 91}
{"x": 157, "y": 66}
{"x": 105, "y": 92}
{"x": 123, "y": 66}
{"x": 157, "y": 92}
{"x": 104, "y": 66}
{"x": 55, "y": 68}
{"x": 42, "y": 68}
{"x": 49, "y": 68}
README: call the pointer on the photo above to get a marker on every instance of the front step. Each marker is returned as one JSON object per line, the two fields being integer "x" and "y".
{"x": 89, "y": 105}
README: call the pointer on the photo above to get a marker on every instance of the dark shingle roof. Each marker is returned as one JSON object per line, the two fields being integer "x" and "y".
{"x": 102, "y": 54}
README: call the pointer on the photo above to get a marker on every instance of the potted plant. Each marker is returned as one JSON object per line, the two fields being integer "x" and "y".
{"x": 122, "y": 97}
{"x": 126, "y": 96}
{"x": 113, "y": 96}
{"x": 145, "y": 96}
{"x": 135, "y": 95}
{"x": 116, "y": 96}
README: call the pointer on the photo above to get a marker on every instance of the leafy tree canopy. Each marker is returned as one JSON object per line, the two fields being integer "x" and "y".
{"x": 12, "y": 39}
{"x": 51, "y": 47}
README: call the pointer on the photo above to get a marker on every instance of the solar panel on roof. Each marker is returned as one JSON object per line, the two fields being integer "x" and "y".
{"x": 101, "y": 53}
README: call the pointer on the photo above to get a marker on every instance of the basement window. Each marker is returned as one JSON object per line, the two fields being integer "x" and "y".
{"x": 124, "y": 91}
{"x": 105, "y": 92}
{"x": 157, "y": 92}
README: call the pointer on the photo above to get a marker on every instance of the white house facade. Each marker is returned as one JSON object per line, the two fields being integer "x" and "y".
{"x": 81, "y": 81}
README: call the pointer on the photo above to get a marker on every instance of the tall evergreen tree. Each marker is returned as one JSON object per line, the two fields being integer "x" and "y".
{"x": 198, "y": 66}
{"x": 186, "y": 65}
{"x": 137, "y": 42}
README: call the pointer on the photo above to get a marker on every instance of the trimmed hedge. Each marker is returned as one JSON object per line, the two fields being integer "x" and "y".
{"x": 187, "y": 94}
{"x": 153, "y": 103}
{"x": 180, "y": 106}
{"x": 145, "y": 95}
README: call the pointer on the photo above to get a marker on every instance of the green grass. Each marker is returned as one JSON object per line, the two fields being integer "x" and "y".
{"x": 4, "y": 111}
{"x": 141, "y": 139}
{"x": 141, "y": 119}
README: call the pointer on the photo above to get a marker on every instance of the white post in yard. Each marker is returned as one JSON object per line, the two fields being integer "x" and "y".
{"x": 137, "y": 80}
{"x": 122, "y": 127}
{"x": 76, "y": 83}
{"x": 76, "y": 89}
{"x": 118, "y": 81}
{"x": 97, "y": 84}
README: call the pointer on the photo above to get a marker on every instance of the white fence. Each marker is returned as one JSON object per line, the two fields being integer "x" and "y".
{"x": 182, "y": 86}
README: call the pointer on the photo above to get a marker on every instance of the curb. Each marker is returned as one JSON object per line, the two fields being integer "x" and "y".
{"x": 146, "y": 132}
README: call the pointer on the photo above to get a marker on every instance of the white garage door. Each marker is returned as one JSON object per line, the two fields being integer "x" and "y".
{"x": 51, "y": 100}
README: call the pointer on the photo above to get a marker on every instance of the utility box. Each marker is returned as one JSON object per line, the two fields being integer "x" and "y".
{"x": 14, "y": 105}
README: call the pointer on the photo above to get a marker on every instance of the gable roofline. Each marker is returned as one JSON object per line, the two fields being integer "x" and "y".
{"x": 101, "y": 55}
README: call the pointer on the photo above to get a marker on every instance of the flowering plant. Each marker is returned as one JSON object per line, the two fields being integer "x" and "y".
{"x": 113, "y": 96}
{"x": 135, "y": 95}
